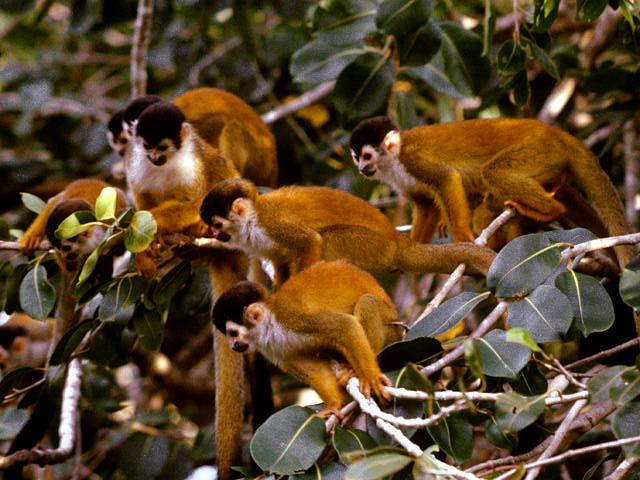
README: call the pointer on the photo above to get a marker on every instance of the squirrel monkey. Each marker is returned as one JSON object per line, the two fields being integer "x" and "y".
{"x": 222, "y": 119}
{"x": 329, "y": 312}
{"x": 295, "y": 227}
{"x": 520, "y": 163}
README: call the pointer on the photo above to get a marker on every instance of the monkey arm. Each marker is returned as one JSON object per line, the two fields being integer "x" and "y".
{"x": 36, "y": 231}
{"x": 425, "y": 218}
{"x": 173, "y": 216}
{"x": 301, "y": 245}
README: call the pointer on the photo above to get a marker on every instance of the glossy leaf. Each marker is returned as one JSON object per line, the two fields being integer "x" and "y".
{"x": 140, "y": 232}
{"x": 90, "y": 263}
{"x": 363, "y": 87}
{"x": 377, "y": 466}
{"x": 291, "y": 440}
{"x": 397, "y": 17}
{"x": 326, "y": 471}
{"x": 573, "y": 236}
{"x": 522, "y": 337}
{"x": 117, "y": 305}
{"x": 149, "y": 327}
{"x": 544, "y": 14}
{"x": 33, "y": 203}
{"x": 592, "y": 307}
{"x": 37, "y": 295}
{"x": 590, "y": 9}
{"x": 511, "y": 58}
{"x": 106, "y": 204}
{"x": 454, "y": 436}
{"x": 620, "y": 384}
{"x": 446, "y": 315}
{"x": 501, "y": 358}
{"x": 17, "y": 377}
{"x": 546, "y": 314}
{"x": 522, "y": 265}
{"x": 418, "y": 47}
{"x": 630, "y": 283}
{"x": 498, "y": 437}
{"x": 171, "y": 283}
{"x": 420, "y": 350}
{"x": 75, "y": 224}
{"x": 352, "y": 440}
{"x": 345, "y": 22}
{"x": 144, "y": 456}
{"x": 626, "y": 423}
{"x": 69, "y": 341}
{"x": 320, "y": 61}
{"x": 515, "y": 412}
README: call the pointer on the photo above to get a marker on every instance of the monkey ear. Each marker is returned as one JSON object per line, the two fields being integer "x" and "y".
{"x": 392, "y": 143}
{"x": 185, "y": 130}
{"x": 240, "y": 206}
{"x": 255, "y": 313}
{"x": 354, "y": 157}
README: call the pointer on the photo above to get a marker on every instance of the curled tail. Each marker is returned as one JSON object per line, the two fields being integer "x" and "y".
{"x": 600, "y": 191}
{"x": 429, "y": 258}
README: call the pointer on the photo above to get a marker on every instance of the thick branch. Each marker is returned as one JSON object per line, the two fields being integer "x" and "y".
{"x": 301, "y": 102}
{"x": 140, "y": 48}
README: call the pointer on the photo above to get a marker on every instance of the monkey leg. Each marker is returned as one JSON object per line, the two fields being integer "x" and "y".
{"x": 425, "y": 220}
{"x": 375, "y": 316}
{"x": 511, "y": 175}
{"x": 303, "y": 244}
{"x": 485, "y": 213}
{"x": 175, "y": 216}
{"x": 317, "y": 372}
{"x": 368, "y": 249}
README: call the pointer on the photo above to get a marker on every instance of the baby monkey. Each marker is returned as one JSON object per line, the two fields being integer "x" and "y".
{"x": 330, "y": 312}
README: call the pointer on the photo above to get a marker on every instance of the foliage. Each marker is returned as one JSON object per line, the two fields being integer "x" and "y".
{"x": 64, "y": 70}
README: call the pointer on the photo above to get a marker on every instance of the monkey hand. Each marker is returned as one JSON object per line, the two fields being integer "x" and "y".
{"x": 29, "y": 242}
{"x": 199, "y": 229}
{"x": 536, "y": 215}
{"x": 329, "y": 410}
{"x": 343, "y": 372}
{"x": 376, "y": 386}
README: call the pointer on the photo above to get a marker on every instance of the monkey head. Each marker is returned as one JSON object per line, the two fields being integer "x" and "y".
{"x": 228, "y": 206}
{"x": 162, "y": 128}
{"x": 116, "y": 135}
{"x": 241, "y": 314}
{"x": 374, "y": 144}
{"x": 133, "y": 110}
{"x": 72, "y": 251}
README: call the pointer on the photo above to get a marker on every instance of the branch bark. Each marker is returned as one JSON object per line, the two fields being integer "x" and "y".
{"x": 140, "y": 48}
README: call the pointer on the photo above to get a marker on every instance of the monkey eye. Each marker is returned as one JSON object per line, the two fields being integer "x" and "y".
{"x": 232, "y": 333}
{"x": 146, "y": 146}
{"x": 161, "y": 148}
{"x": 217, "y": 224}
{"x": 124, "y": 141}
{"x": 366, "y": 156}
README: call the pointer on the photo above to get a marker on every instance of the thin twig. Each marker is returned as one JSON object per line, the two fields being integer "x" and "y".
{"x": 140, "y": 48}
{"x": 597, "y": 244}
{"x": 604, "y": 353}
{"x": 622, "y": 469}
{"x": 558, "y": 436}
{"x": 451, "y": 395}
{"x": 301, "y": 102}
{"x": 69, "y": 413}
{"x": 458, "y": 352}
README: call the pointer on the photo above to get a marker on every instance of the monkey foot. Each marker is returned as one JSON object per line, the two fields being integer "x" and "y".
{"x": 376, "y": 387}
{"x": 534, "y": 214}
{"x": 28, "y": 243}
{"x": 343, "y": 372}
{"x": 328, "y": 411}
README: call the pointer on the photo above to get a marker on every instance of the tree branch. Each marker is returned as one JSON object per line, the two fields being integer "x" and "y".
{"x": 301, "y": 102}
{"x": 140, "y": 48}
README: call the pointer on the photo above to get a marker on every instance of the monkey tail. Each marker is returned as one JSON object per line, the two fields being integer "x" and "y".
{"x": 225, "y": 270}
{"x": 599, "y": 189}
{"x": 429, "y": 258}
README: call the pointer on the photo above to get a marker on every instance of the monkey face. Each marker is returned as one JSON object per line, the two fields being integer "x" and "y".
{"x": 222, "y": 228}
{"x": 239, "y": 337}
{"x": 160, "y": 153}
{"x": 73, "y": 251}
{"x": 367, "y": 161}
{"x": 119, "y": 142}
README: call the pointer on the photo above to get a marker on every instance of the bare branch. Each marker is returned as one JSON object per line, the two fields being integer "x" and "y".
{"x": 597, "y": 244}
{"x": 301, "y": 102}
{"x": 631, "y": 170}
{"x": 140, "y": 48}
{"x": 604, "y": 353}
{"x": 67, "y": 429}
{"x": 622, "y": 469}
{"x": 452, "y": 395}
{"x": 557, "y": 99}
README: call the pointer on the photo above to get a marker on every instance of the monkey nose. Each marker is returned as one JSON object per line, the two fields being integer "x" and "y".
{"x": 223, "y": 236}
{"x": 239, "y": 347}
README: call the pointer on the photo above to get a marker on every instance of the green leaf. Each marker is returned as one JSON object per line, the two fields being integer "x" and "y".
{"x": 626, "y": 423}
{"x": 18, "y": 377}
{"x": 32, "y": 202}
{"x": 546, "y": 314}
{"x": 544, "y": 58}
{"x": 11, "y": 296}
{"x": 515, "y": 412}
{"x": 37, "y": 295}
{"x": 630, "y": 283}
{"x": 590, "y": 9}
{"x": 421, "y": 350}
{"x": 69, "y": 341}
{"x": 352, "y": 440}
{"x": 418, "y": 47}
{"x": 149, "y": 327}
{"x": 530, "y": 381}
{"x": 362, "y": 89}
{"x": 433, "y": 75}
{"x": 544, "y": 14}
{"x": 411, "y": 379}
{"x": 447, "y": 315}
{"x": 573, "y": 236}
{"x": 497, "y": 437}
{"x": 501, "y": 358}
{"x": 326, "y": 471}
{"x": 592, "y": 307}
{"x": 143, "y": 456}
{"x": 140, "y": 232}
{"x": 522, "y": 337}
{"x": 454, "y": 435}
{"x": 118, "y": 303}
{"x": 320, "y": 61}
{"x": 75, "y": 224}
{"x": 291, "y": 440}
{"x": 488, "y": 27}
{"x": 520, "y": 86}
{"x": 377, "y": 466}
{"x": 11, "y": 422}
{"x": 397, "y": 17}
{"x": 106, "y": 204}
{"x": 473, "y": 359}
{"x": 511, "y": 58}
{"x": 522, "y": 265}
{"x": 90, "y": 264}
{"x": 171, "y": 283}
{"x": 344, "y": 22}
{"x": 619, "y": 383}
